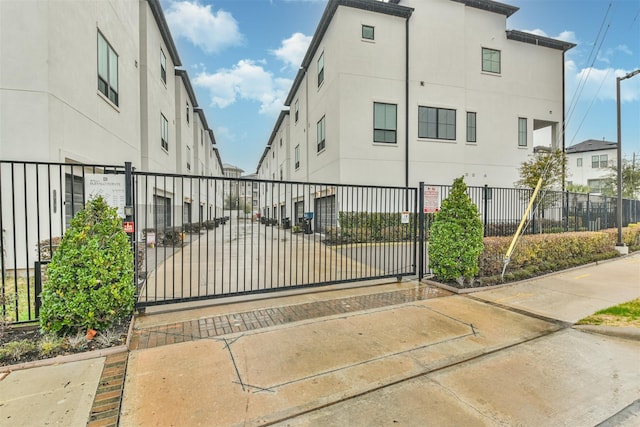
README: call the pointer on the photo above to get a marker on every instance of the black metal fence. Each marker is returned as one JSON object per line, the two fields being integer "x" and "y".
{"x": 501, "y": 210}
{"x": 37, "y": 202}
{"x": 207, "y": 237}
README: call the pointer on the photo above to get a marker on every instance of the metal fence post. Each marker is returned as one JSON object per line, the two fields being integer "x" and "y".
{"x": 420, "y": 208}
{"x": 485, "y": 208}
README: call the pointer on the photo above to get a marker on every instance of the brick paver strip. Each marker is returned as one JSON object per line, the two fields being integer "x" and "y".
{"x": 106, "y": 404}
{"x": 251, "y": 320}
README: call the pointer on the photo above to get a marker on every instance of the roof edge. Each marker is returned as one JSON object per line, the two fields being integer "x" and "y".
{"x": 279, "y": 121}
{"x": 491, "y": 6}
{"x": 522, "y": 36}
{"x": 187, "y": 84}
{"x": 158, "y": 14}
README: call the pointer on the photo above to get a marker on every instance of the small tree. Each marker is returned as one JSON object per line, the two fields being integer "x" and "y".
{"x": 630, "y": 180}
{"x": 90, "y": 278}
{"x": 550, "y": 165}
{"x": 456, "y": 234}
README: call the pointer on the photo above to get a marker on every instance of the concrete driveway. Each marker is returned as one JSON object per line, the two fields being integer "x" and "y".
{"x": 394, "y": 354}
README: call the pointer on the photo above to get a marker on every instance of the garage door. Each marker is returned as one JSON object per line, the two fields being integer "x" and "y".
{"x": 325, "y": 213}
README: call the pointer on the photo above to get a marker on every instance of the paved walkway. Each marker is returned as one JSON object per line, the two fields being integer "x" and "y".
{"x": 398, "y": 353}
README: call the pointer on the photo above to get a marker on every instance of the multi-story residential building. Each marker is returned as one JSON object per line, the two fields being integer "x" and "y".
{"x": 122, "y": 99}
{"x": 589, "y": 163}
{"x": 397, "y": 92}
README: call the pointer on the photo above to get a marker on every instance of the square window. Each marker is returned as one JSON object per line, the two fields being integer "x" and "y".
{"x": 436, "y": 123}
{"x": 368, "y": 32}
{"x": 490, "y": 60}
{"x": 107, "y": 70}
{"x": 384, "y": 122}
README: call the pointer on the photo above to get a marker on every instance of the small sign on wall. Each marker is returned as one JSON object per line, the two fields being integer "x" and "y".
{"x": 110, "y": 187}
{"x": 129, "y": 227}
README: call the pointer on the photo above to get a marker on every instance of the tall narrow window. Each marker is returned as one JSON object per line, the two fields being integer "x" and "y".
{"x": 297, "y": 156}
{"x": 579, "y": 162}
{"x": 368, "y": 32}
{"x": 321, "y": 69}
{"x": 297, "y": 110}
{"x": 188, "y": 158}
{"x": 320, "y": 131}
{"x": 187, "y": 112}
{"x": 384, "y": 122}
{"x": 164, "y": 132}
{"x": 107, "y": 70}
{"x": 490, "y": 60}
{"x": 471, "y": 126}
{"x": 163, "y": 67}
{"x": 522, "y": 132}
{"x": 436, "y": 123}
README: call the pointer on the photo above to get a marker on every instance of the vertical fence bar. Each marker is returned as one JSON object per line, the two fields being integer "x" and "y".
{"x": 420, "y": 212}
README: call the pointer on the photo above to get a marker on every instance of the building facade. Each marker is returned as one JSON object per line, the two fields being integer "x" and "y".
{"x": 398, "y": 92}
{"x": 103, "y": 88}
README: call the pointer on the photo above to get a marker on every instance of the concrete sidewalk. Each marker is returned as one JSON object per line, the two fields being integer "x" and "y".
{"x": 400, "y": 353}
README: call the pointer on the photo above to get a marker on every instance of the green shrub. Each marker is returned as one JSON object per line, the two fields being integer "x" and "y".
{"x": 90, "y": 282}
{"x": 456, "y": 237}
{"x": 15, "y": 350}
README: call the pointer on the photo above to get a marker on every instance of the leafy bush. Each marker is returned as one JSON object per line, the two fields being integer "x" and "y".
{"x": 456, "y": 236}
{"x": 90, "y": 282}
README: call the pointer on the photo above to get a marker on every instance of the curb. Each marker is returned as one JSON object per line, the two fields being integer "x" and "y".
{"x": 624, "y": 332}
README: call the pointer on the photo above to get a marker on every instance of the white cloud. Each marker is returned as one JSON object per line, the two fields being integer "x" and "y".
{"x": 246, "y": 80}
{"x": 606, "y": 55}
{"x": 600, "y": 83}
{"x": 293, "y": 49}
{"x": 210, "y": 31}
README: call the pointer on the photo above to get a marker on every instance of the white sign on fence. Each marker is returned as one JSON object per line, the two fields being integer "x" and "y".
{"x": 404, "y": 219}
{"x": 110, "y": 187}
{"x": 431, "y": 199}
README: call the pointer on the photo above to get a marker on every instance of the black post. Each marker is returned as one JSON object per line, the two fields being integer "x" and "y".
{"x": 485, "y": 207}
{"x": 420, "y": 209}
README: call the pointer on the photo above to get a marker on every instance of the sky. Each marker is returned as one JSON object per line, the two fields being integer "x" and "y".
{"x": 242, "y": 57}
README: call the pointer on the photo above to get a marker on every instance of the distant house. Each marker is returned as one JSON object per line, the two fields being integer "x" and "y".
{"x": 397, "y": 92}
{"x": 590, "y": 162}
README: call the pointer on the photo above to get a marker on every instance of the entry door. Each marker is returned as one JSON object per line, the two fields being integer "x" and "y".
{"x": 162, "y": 211}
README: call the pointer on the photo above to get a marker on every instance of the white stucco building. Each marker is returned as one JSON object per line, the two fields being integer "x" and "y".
{"x": 97, "y": 82}
{"x": 589, "y": 163}
{"x": 398, "y": 92}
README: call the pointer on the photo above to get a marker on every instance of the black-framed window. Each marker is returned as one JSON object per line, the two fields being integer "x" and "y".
{"x": 320, "y": 128}
{"x": 436, "y": 123}
{"x": 491, "y": 60}
{"x": 385, "y": 122}
{"x": 163, "y": 66}
{"x": 297, "y": 110}
{"x": 107, "y": 69}
{"x": 522, "y": 132}
{"x": 188, "y": 158}
{"x": 321, "y": 69}
{"x": 297, "y": 156}
{"x": 368, "y": 32}
{"x": 187, "y": 112}
{"x": 471, "y": 126}
{"x": 164, "y": 132}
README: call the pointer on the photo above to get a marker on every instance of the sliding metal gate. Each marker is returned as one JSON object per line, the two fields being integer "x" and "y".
{"x": 261, "y": 236}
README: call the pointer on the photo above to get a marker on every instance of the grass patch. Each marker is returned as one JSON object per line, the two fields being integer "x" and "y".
{"x": 23, "y": 308}
{"x": 626, "y": 314}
